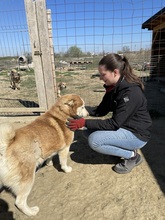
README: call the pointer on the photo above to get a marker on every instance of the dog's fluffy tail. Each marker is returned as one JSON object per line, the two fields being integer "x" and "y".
{"x": 7, "y": 134}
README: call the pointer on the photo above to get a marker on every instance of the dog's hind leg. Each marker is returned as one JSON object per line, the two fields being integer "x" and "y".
{"x": 22, "y": 195}
{"x": 63, "y": 159}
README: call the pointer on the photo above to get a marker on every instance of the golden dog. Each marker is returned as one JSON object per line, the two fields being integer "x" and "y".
{"x": 15, "y": 79}
{"x": 24, "y": 149}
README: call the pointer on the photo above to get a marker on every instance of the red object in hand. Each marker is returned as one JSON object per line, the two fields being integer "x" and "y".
{"x": 74, "y": 124}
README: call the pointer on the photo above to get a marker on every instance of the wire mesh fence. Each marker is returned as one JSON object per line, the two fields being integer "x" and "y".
{"x": 15, "y": 58}
{"x": 83, "y": 32}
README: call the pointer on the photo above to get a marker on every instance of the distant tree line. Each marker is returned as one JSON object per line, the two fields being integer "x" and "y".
{"x": 76, "y": 52}
{"x": 73, "y": 51}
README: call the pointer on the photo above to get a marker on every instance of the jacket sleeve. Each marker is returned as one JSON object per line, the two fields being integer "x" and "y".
{"x": 125, "y": 107}
{"x": 91, "y": 110}
{"x": 103, "y": 108}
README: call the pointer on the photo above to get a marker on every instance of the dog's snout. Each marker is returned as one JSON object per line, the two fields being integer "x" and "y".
{"x": 87, "y": 113}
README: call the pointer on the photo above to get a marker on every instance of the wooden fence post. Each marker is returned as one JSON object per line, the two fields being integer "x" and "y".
{"x": 51, "y": 48}
{"x": 41, "y": 55}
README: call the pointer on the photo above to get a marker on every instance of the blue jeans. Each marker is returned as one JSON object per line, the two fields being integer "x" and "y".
{"x": 119, "y": 143}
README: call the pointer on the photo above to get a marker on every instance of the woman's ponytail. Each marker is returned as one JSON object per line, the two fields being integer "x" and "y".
{"x": 129, "y": 74}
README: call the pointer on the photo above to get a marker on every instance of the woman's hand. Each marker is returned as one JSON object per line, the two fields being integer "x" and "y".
{"x": 75, "y": 124}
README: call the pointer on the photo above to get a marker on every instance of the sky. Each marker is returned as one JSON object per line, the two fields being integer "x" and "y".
{"x": 92, "y": 25}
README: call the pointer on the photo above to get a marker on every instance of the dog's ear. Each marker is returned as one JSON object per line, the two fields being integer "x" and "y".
{"x": 70, "y": 103}
{"x": 72, "y": 107}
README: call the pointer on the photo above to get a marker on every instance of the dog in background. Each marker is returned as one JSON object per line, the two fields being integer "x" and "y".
{"x": 25, "y": 149}
{"x": 15, "y": 79}
{"x": 60, "y": 87}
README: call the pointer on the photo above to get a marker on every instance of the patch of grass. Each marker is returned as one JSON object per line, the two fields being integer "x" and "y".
{"x": 70, "y": 73}
{"x": 98, "y": 87}
{"x": 57, "y": 73}
{"x": 28, "y": 79}
{"x": 81, "y": 87}
{"x": 3, "y": 73}
{"x": 7, "y": 58}
{"x": 27, "y": 72}
{"x": 29, "y": 82}
{"x": 30, "y": 72}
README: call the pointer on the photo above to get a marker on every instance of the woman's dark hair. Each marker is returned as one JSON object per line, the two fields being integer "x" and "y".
{"x": 115, "y": 61}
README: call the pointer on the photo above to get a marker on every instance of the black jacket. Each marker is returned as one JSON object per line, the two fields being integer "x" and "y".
{"x": 129, "y": 107}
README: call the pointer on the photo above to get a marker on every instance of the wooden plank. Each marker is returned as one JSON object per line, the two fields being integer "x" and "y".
{"x": 31, "y": 15}
{"x": 159, "y": 27}
{"x": 45, "y": 48}
{"x": 49, "y": 20}
{"x": 21, "y": 110}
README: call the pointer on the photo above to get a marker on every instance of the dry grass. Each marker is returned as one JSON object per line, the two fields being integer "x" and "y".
{"x": 79, "y": 82}
{"x": 13, "y": 98}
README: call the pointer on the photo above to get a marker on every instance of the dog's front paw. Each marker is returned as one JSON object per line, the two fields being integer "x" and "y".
{"x": 66, "y": 169}
{"x": 34, "y": 210}
{"x": 29, "y": 211}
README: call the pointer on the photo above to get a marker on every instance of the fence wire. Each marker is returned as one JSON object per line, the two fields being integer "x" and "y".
{"x": 83, "y": 32}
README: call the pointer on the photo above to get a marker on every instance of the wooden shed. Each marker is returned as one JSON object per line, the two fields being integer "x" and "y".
{"x": 157, "y": 24}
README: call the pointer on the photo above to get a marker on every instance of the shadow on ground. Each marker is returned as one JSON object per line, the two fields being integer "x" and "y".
{"x": 82, "y": 153}
{"x": 154, "y": 151}
{"x": 24, "y": 103}
{"x": 5, "y": 214}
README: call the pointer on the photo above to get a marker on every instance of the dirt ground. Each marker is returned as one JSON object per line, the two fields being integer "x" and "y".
{"x": 93, "y": 191}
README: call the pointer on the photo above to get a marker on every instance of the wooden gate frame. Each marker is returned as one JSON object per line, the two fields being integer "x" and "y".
{"x": 39, "y": 26}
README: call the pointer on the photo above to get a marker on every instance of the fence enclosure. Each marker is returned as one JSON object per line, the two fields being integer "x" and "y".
{"x": 40, "y": 34}
{"x": 94, "y": 28}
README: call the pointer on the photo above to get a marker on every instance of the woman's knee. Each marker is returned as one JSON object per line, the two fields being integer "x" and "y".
{"x": 92, "y": 140}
